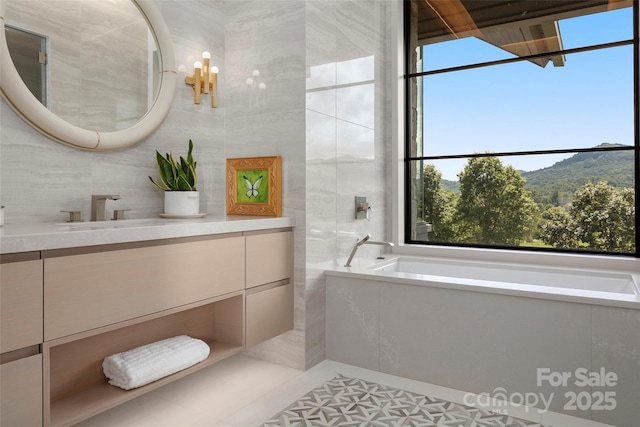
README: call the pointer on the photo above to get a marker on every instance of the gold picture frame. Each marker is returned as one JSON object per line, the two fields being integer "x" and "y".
{"x": 254, "y": 186}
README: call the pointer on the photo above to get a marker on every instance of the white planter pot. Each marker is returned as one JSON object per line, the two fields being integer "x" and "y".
{"x": 181, "y": 202}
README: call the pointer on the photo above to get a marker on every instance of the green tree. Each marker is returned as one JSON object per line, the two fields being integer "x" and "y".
{"x": 605, "y": 217}
{"x": 494, "y": 207}
{"x": 558, "y": 228}
{"x": 437, "y": 204}
{"x": 601, "y": 217}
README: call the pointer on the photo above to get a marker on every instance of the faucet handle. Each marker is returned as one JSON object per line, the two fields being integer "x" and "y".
{"x": 74, "y": 216}
{"x": 362, "y": 208}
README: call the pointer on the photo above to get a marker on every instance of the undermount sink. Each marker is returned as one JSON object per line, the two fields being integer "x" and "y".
{"x": 122, "y": 223}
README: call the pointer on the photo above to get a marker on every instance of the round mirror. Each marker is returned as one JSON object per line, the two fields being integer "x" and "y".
{"x": 102, "y": 73}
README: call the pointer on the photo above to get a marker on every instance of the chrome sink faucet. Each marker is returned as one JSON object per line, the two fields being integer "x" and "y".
{"x": 98, "y": 205}
{"x": 364, "y": 240}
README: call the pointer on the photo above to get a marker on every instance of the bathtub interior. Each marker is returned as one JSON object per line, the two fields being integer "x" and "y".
{"x": 540, "y": 276}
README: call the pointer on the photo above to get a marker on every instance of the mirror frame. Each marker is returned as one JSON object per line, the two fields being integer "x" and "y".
{"x": 27, "y": 106}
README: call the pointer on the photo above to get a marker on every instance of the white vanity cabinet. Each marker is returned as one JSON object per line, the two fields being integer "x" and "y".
{"x": 269, "y": 295}
{"x": 91, "y": 290}
{"x": 268, "y": 257}
{"x": 20, "y": 340}
{"x": 21, "y": 392}
{"x": 20, "y": 304}
{"x": 65, "y": 309}
{"x": 99, "y": 301}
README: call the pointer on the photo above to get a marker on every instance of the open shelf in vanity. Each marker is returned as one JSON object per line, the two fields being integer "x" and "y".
{"x": 77, "y": 386}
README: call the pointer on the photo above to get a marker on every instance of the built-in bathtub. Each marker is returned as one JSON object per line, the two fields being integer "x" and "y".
{"x": 509, "y": 276}
{"x": 492, "y": 329}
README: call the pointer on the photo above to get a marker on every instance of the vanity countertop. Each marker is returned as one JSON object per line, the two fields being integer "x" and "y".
{"x": 43, "y": 236}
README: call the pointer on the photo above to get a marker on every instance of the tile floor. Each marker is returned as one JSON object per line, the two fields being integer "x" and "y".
{"x": 246, "y": 392}
{"x": 345, "y": 401}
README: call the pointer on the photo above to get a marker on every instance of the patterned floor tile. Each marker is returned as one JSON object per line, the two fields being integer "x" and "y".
{"x": 352, "y": 402}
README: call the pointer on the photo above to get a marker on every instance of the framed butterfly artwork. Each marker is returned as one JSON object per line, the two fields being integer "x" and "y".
{"x": 254, "y": 186}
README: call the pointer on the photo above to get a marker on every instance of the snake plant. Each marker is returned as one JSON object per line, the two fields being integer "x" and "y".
{"x": 176, "y": 176}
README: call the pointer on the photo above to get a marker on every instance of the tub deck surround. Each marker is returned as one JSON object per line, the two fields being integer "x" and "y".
{"x": 598, "y": 287}
{"x": 44, "y": 236}
{"x": 490, "y": 338}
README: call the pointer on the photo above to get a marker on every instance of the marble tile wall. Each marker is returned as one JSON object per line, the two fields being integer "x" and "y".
{"x": 347, "y": 132}
{"x": 338, "y": 133}
{"x": 39, "y": 177}
{"x": 318, "y": 97}
{"x": 264, "y": 42}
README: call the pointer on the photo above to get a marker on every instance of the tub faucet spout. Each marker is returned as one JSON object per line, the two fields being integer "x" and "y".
{"x": 355, "y": 248}
{"x": 98, "y": 204}
{"x": 371, "y": 242}
{"x": 364, "y": 240}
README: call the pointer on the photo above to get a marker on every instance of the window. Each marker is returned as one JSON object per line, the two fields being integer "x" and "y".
{"x": 521, "y": 124}
{"x": 28, "y": 52}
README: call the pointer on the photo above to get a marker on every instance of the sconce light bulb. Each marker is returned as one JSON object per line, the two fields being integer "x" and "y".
{"x": 214, "y": 69}
{"x": 206, "y": 55}
{"x": 249, "y": 81}
{"x": 262, "y": 86}
{"x": 256, "y": 73}
{"x": 197, "y": 64}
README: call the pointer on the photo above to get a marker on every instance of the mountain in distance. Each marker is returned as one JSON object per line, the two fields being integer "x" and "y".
{"x": 615, "y": 167}
{"x": 450, "y": 185}
{"x": 566, "y": 176}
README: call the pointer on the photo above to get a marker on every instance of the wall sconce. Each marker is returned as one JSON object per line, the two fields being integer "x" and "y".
{"x": 254, "y": 80}
{"x": 204, "y": 80}
{"x": 256, "y": 97}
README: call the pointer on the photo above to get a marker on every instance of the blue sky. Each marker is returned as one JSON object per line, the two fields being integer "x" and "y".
{"x": 522, "y": 106}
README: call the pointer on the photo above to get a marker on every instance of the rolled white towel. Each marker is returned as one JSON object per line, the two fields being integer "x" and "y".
{"x": 148, "y": 363}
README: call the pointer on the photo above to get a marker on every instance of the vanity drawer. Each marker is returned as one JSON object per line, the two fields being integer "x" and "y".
{"x": 88, "y": 291}
{"x": 269, "y": 312}
{"x": 268, "y": 257}
{"x": 20, "y": 305}
{"x": 21, "y": 392}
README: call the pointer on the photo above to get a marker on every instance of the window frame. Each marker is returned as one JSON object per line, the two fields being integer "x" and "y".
{"x": 402, "y": 165}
